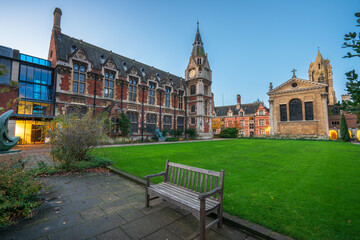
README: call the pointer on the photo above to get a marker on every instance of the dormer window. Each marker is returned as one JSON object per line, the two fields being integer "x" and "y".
{"x": 102, "y": 59}
{"x": 124, "y": 65}
{"x": 241, "y": 114}
{"x": 261, "y": 112}
{"x": 157, "y": 76}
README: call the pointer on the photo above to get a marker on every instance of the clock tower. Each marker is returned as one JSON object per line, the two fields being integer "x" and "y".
{"x": 199, "y": 96}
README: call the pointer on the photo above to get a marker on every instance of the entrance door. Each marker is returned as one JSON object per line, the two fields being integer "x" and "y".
{"x": 35, "y": 133}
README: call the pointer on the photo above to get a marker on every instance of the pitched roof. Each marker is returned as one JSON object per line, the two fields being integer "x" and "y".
{"x": 315, "y": 85}
{"x": 66, "y": 46}
{"x": 249, "y": 108}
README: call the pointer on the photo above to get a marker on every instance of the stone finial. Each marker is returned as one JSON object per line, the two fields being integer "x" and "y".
{"x": 271, "y": 86}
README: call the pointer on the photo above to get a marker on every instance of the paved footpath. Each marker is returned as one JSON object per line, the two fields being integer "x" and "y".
{"x": 107, "y": 206}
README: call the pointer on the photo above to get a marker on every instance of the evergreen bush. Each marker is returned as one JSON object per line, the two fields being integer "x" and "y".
{"x": 344, "y": 131}
{"x": 229, "y": 133}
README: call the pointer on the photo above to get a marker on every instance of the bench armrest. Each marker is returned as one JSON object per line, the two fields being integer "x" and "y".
{"x": 208, "y": 194}
{"x": 147, "y": 177}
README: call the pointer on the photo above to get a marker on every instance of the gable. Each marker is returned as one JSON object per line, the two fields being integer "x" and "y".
{"x": 297, "y": 85}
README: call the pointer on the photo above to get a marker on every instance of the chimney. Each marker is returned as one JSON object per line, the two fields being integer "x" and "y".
{"x": 238, "y": 101}
{"x": 57, "y": 19}
{"x": 345, "y": 97}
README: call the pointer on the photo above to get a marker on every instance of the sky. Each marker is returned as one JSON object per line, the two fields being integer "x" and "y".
{"x": 249, "y": 43}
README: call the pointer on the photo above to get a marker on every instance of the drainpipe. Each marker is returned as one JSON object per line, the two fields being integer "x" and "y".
{"x": 142, "y": 114}
{"x": 121, "y": 100}
{"x": 94, "y": 96}
{"x": 175, "y": 128}
{"x": 186, "y": 120}
{"x": 160, "y": 113}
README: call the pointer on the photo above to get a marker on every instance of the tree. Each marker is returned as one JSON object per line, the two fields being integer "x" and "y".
{"x": 344, "y": 131}
{"x": 11, "y": 102}
{"x": 352, "y": 41}
{"x": 124, "y": 123}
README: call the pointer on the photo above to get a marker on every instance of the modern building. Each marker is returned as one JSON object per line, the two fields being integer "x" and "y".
{"x": 89, "y": 78}
{"x": 30, "y": 85}
{"x": 252, "y": 119}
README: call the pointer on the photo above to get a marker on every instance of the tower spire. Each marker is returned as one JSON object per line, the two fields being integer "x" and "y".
{"x": 198, "y": 40}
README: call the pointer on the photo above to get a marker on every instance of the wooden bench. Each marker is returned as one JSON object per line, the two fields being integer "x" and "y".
{"x": 196, "y": 190}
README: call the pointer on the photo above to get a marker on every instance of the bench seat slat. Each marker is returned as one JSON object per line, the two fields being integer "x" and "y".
{"x": 183, "y": 196}
{"x": 200, "y": 170}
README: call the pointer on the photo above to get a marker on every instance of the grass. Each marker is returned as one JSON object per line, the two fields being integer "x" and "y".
{"x": 303, "y": 189}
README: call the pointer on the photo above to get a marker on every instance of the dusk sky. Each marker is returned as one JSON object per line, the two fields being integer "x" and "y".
{"x": 249, "y": 43}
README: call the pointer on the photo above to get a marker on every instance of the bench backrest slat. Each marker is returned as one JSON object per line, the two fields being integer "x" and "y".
{"x": 192, "y": 178}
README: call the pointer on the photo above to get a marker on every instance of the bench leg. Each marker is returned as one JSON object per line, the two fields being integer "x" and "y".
{"x": 202, "y": 220}
{"x": 147, "y": 196}
{"x": 219, "y": 215}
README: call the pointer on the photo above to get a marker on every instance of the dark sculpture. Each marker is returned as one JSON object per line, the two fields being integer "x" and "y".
{"x": 159, "y": 135}
{"x": 6, "y": 143}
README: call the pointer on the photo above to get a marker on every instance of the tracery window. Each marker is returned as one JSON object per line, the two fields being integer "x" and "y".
{"x": 152, "y": 87}
{"x": 167, "y": 123}
{"x": 150, "y": 123}
{"x": 133, "y": 117}
{"x": 79, "y": 78}
{"x": 167, "y": 96}
{"x": 132, "y": 89}
{"x": 109, "y": 85}
{"x": 295, "y": 110}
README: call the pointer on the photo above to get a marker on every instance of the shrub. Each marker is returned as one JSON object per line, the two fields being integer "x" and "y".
{"x": 229, "y": 133}
{"x": 344, "y": 131}
{"x": 191, "y": 132}
{"x": 172, "y": 139}
{"x": 18, "y": 191}
{"x": 124, "y": 123}
{"x": 178, "y": 133}
{"x": 165, "y": 133}
{"x": 73, "y": 136}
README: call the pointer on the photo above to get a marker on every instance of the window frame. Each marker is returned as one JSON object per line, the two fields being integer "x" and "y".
{"x": 108, "y": 79}
{"x": 79, "y": 73}
{"x": 132, "y": 89}
{"x": 152, "y": 90}
{"x": 167, "y": 96}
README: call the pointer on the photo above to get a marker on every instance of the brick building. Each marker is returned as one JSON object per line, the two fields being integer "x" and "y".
{"x": 91, "y": 78}
{"x": 250, "y": 118}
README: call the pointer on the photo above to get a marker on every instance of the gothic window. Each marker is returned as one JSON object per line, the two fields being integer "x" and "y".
{"x": 295, "y": 110}
{"x": 192, "y": 109}
{"x": 319, "y": 66}
{"x": 206, "y": 90}
{"x": 283, "y": 113}
{"x": 167, "y": 96}
{"x": 309, "y": 115}
{"x": 109, "y": 85}
{"x": 150, "y": 123}
{"x": 192, "y": 121}
{"x": 262, "y": 122}
{"x": 152, "y": 87}
{"x": 261, "y": 112}
{"x": 132, "y": 89}
{"x": 335, "y": 111}
{"x": 241, "y": 114}
{"x": 206, "y": 107}
{"x": 167, "y": 123}
{"x": 192, "y": 90}
{"x": 180, "y": 124}
{"x": 181, "y": 97}
{"x": 133, "y": 117}
{"x": 79, "y": 78}
{"x": 115, "y": 125}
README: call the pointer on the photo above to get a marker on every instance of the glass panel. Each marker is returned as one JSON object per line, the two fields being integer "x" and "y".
{"x": 42, "y": 62}
{"x": 76, "y": 67}
{"x": 29, "y": 59}
{"x": 36, "y": 60}
{"x": 30, "y": 74}
{"x": 82, "y": 77}
{"x": 106, "y": 92}
{"x": 37, "y": 91}
{"x": 111, "y": 84}
{"x": 22, "y": 90}
{"x": 37, "y": 75}
{"x": 111, "y": 93}
{"x": 106, "y": 75}
{"x": 106, "y": 83}
{"x": 82, "y": 88}
{"x": 75, "y": 86}
{"x": 22, "y": 72}
{"x": 21, "y": 107}
{"x": 76, "y": 77}
{"x": 43, "y": 76}
{"x": 29, "y": 90}
{"x": 44, "y": 93}
{"x": 82, "y": 69}
{"x": 49, "y": 77}
{"x": 22, "y": 57}
{"x": 111, "y": 76}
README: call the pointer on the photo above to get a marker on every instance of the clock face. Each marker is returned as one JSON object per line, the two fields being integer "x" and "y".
{"x": 192, "y": 73}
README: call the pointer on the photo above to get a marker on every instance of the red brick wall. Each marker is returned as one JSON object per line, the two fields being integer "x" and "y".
{"x": 65, "y": 79}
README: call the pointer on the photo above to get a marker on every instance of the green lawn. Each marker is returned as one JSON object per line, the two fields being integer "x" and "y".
{"x": 303, "y": 189}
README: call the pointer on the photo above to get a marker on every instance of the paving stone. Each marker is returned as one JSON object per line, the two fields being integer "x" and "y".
{"x": 146, "y": 225}
{"x": 230, "y": 232}
{"x": 89, "y": 229}
{"x": 39, "y": 230}
{"x": 211, "y": 235}
{"x": 155, "y": 205}
{"x": 78, "y": 196}
{"x": 116, "y": 233}
{"x": 92, "y": 213}
{"x": 130, "y": 214}
{"x": 162, "y": 234}
{"x": 115, "y": 206}
{"x": 109, "y": 197}
{"x": 185, "y": 227}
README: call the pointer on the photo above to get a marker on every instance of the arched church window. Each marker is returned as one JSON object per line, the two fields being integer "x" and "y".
{"x": 295, "y": 110}
{"x": 319, "y": 66}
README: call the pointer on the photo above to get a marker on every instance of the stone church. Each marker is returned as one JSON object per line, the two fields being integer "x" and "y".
{"x": 88, "y": 77}
{"x": 299, "y": 106}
